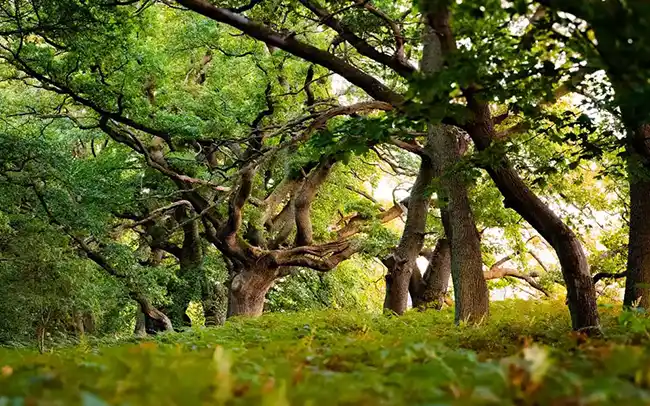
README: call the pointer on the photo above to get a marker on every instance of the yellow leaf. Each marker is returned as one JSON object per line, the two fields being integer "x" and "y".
{"x": 7, "y": 370}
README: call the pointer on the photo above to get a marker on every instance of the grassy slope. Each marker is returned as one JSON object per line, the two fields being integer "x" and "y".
{"x": 524, "y": 355}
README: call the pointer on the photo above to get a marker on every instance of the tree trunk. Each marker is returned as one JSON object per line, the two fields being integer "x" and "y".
{"x": 401, "y": 263}
{"x": 140, "y": 329}
{"x": 78, "y": 323}
{"x": 470, "y": 290}
{"x": 215, "y": 304}
{"x": 388, "y": 279}
{"x": 157, "y": 320}
{"x": 581, "y": 294}
{"x": 248, "y": 291}
{"x": 430, "y": 290}
{"x": 637, "y": 286}
{"x": 575, "y": 269}
{"x": 191, "y": 268}
{"x": 89, "y": 322}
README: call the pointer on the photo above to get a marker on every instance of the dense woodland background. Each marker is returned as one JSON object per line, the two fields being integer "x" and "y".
{"x": 167, "y": 164}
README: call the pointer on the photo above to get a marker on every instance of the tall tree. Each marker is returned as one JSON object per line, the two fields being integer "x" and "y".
{"x": 620, "y": 47}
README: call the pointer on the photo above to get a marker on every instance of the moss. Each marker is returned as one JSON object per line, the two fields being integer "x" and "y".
{"x": 524, "y": 355}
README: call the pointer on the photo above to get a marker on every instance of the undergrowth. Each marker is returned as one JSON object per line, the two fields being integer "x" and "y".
{"x": 525, "y": 355}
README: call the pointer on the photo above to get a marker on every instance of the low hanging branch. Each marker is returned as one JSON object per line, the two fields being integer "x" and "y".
{"x": 497, "y": 270}
{"x": 501, "y": 272}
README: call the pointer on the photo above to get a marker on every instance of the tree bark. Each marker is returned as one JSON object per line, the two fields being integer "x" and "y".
{"x": 305, "y": 198}
{"x": 190, "y": 260}
{"x": 470, "y": 290}
{"x": 158, "y": 319}
{"x": 78, "y": 322}
{"x": 637, "y": 287}
{"x": 140, "y": 329}
{"x": 248, "y": 291}
{"x": 89, "y": 322}
{"x": 429, "y": 290}
{"x": 401, "y": 263}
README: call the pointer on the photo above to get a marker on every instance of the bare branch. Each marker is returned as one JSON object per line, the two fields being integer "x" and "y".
{"x": 498, "y": 272}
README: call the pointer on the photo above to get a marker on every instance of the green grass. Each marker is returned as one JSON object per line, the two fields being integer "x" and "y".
{"x": 525, "y": 355}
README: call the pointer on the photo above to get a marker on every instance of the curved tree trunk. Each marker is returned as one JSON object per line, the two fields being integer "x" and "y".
{"x": 248, "y": 290}
{"x": 581, "y": 293}
{"x": 575, "y": 269}
{"x": 401, "y": 263}
{"x": 158, "y": 320}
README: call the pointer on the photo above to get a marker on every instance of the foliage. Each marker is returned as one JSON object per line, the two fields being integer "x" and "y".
{"x": 523, "y": 355}
{"x": 356, "y": 285}
{"x": 97, "y": 93}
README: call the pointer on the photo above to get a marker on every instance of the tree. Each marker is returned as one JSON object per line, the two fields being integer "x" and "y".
{"x": 518, "y": 195}
{"x": 256, "y": 172}
{"x": 615, "y": 40}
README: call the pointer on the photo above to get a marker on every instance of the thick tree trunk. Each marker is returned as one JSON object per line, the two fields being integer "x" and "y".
{"x": 581, "y": 294}
{"x": 401, "y": 263}
{"x": 215, "y": 304}
{"x": 470, "y": 290}
{"x": 248, "y": 290}
{"x": 637, "y": 287}
{"x": 430, "y": 290}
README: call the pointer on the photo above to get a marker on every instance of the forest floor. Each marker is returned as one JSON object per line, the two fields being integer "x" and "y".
{"x": 525, "y": 355}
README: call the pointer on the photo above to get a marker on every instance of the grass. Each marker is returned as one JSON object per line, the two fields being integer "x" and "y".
{"x": 525, "y": 355}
